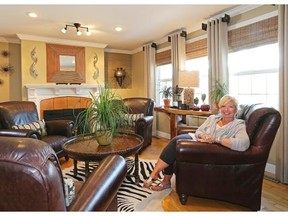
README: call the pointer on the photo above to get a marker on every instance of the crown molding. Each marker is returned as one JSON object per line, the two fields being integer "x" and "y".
{"x": 10, "y": 40}
{"x": 60, "y": 41}
{"x": 118, "y": 51}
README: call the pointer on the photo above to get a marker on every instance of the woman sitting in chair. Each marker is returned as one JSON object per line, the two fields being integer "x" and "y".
{"x": 223, "y": 129}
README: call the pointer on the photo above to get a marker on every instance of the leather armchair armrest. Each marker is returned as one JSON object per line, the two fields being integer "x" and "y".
{"x": 206, "y": 153}
{"x": 144, "y": 122}
{"x": 102, "y": 185}
{"x": 20, "y": 133}
{"x": 60, "y": 127}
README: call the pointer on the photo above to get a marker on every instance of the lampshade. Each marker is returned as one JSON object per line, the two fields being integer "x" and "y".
{"x": 188, "y": 79}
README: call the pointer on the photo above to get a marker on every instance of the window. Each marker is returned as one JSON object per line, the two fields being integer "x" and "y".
{"x": 253, "y": 75}
{"x": 163, "y": 77}
{"x": 201, "y": 65}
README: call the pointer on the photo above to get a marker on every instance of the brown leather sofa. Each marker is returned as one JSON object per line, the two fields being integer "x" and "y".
{"x": 143, "y": 126}
{"x": 216, "y": 172}
{"x": 25, "y": 112}
{"x": 31, "y": 179}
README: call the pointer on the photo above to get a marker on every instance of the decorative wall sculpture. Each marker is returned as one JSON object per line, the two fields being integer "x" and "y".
{"x": 96, "y": 72}
{"x": 34, "y": 58}
{"x": 5, "y": 53}
{"x": 6, "y": 68}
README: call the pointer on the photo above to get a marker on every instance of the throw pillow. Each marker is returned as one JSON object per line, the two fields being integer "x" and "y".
{"x": 132, "y": 118}
{"x": 69, "y": 189}
{"x": 38, "y": 126}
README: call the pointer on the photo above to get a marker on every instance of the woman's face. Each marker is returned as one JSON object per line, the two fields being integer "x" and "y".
{"x": 228, "y": 110}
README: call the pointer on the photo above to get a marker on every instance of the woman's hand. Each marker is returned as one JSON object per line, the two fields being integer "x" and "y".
{"x": 206, "y": 138}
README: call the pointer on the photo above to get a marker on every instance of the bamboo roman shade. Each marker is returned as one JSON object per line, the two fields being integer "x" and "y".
{"x": 249, "y": 36}
{"x": 253, "y": 35}
{"x": 197, "y": 49}
{"x": 163, "y": 57}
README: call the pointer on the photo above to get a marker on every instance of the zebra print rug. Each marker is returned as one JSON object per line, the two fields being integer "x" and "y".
{"x": 131, "y": 197}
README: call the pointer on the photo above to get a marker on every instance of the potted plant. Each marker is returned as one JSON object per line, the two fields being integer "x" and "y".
{"x": 103, "y": 116}
{"x": 167, "y": 94}
{"x": 218, "y": 91}
{"x": 204, "y": 106}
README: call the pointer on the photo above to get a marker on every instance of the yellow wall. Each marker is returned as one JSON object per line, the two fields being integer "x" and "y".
{"x": 13, "y": 86}
{"x": 89, "y": 55}
{"x": 41, "y": 66}
{"x": 11, "y": 81}
{"x": 137, "y": 79}
{"x": 15, "y": 76}
{"x": 4, "y": 77}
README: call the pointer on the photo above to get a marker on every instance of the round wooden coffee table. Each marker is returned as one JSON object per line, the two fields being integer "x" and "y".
{"x": 86, "y": 148}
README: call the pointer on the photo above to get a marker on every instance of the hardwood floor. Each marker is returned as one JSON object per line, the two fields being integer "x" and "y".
{"x": 274, "y": 194}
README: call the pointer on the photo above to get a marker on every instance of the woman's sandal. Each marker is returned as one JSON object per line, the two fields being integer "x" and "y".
{"x": 160, "y": 187}
{"x": 148, "y": 182}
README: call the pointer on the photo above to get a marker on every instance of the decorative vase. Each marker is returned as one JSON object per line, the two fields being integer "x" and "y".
{"x": 205, "y": 107}
{"x": 196, "y": 108}
{"x": 104, "y": 137}
{"x": 120, "y": 75}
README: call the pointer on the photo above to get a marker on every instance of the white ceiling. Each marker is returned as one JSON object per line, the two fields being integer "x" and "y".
{"x": 141, "y": 23}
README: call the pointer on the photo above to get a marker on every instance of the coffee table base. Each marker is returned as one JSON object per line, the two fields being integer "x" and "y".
{"x": 87, "y": 170}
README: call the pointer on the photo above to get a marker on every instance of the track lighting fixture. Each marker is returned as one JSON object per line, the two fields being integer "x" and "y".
{"x": 78, "y": 27}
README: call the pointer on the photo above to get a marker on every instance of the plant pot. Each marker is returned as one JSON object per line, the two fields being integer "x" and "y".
{"x": 205, "y": 107}
{"x": 195, "y": 108}
{"x": 104, "y": 137}
{"x": 166, "y": 102}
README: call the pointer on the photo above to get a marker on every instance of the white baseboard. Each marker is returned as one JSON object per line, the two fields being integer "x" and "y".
{"x": 162, "y": 134}
{"x": 271, "y": 168}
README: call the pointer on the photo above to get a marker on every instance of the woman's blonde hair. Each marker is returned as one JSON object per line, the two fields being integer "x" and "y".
{"x": 226, "y": 99}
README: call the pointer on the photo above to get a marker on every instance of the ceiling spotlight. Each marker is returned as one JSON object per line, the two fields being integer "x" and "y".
{"x": 118, "y": 28}
{"x": 64, "y": 30}
{"x": 78, "y": 27}
{"x": 79, "y": 32}
{"x": 88, "y": 33}
{"x": 32, "y": 15}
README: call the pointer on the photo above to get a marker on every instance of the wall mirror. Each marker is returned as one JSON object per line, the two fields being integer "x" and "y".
{"x": 65, "y": 64}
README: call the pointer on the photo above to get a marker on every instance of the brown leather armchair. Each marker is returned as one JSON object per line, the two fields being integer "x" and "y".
{"x": 31, "y": 179}
{"x": 214, "y": 171}
{"x": 25, "y": 112}
{"x": 143, "y": 126}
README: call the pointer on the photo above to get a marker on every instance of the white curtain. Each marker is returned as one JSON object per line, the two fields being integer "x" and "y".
{"x": 177, "y": 56}
{"x": 150, "y": 76}
{"x": 282, "y": 146}
{"x": 217, "y": 52}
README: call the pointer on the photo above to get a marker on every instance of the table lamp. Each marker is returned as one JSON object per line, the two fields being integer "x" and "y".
{"x": 188, "y": 80}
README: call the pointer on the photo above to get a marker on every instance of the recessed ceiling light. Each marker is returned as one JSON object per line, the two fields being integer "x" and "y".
{"x": 118, "y": 28}
{"x": 32, "y": 15}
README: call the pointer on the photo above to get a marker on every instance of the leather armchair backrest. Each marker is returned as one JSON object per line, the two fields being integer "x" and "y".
{"x": 31, "y": 177}
{"x": 17, "y": 113}
{"x": 262, "y": 123}
{"x": 139, "y": 105}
